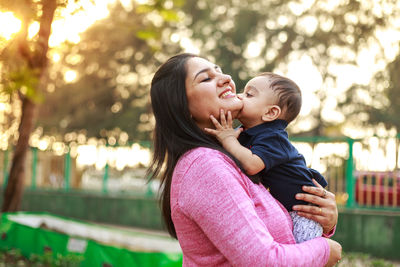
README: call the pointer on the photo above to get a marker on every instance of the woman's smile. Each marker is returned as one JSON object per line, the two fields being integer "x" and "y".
{"x": 227, "y": 93}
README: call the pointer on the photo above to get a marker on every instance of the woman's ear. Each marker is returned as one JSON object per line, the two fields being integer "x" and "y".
{"x": 271, "y": 113}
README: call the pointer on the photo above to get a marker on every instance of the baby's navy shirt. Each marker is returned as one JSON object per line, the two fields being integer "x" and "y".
{"x": 285, "y": 168}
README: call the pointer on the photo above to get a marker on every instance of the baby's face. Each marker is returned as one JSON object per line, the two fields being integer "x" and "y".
{"x": 257, "y": 97}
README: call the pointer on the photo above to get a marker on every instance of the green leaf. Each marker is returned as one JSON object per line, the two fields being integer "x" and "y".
{"x": 179, "y": 3}
{"x": 144, "y": 9}
{"x": 24, "y": 80}
{"x": 169, "y": 15}
{"x": 146, "y": 34}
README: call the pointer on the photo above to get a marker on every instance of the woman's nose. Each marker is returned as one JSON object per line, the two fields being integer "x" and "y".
{"x": 224, "y": 79}
{"x": 240, "y": 96}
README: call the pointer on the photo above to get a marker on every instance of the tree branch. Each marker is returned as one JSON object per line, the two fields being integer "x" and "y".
{"x": 48, "y": 9}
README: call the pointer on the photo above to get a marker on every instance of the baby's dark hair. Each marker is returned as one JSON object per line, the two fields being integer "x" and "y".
{"x": 289, "y": 95}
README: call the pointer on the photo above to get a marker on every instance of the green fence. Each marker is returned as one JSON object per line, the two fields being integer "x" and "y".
{"x": 336, "y": 166}
{"x": 363, "y": 173}
{"x": 52, "y": 170}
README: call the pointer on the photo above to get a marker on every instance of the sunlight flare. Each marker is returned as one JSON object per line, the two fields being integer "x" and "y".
{"x": 70, "y": 76}
{"x": 33, "y": 29}
{"x": 75, "y": 19}
{"x": 10, "y": 25}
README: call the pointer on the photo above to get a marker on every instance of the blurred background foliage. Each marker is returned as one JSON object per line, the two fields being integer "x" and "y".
{"x": 99, "y": 86}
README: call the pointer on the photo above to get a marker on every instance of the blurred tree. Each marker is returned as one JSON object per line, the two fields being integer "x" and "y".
{"x": 23, "y": 66}
{"x": 114, "y": 61}
{"x": 116, "y": 57}
{"x": 247, "y": 37}
{"x": 377, "y": 102}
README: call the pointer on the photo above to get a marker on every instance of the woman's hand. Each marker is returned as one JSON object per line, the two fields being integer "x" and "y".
{"x": 325, "y": 212}
{"x": 335, "y": 252}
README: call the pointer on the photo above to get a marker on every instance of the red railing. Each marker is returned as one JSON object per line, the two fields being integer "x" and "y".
{"x": 378, "y": 189}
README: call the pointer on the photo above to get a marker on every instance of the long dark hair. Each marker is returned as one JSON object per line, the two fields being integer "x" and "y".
{"x": 175, "y": 131}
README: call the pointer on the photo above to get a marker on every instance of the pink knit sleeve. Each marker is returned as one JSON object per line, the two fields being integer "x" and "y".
{"x": 216, "y": 197}
{"x": 331, "y": 233}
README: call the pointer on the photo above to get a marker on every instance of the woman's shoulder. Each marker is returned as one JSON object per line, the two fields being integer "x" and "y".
{"x": 203, "y": 150}
{"x": 205, "y": 153}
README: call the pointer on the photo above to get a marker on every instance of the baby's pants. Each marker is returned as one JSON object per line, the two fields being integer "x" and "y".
{"x": 304, "y": 229}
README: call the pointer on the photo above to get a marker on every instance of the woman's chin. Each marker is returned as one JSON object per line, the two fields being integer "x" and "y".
{"x": 234, "y": 105}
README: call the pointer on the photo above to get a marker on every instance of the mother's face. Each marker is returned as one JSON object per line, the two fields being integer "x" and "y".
{"x": 208, "y": 91}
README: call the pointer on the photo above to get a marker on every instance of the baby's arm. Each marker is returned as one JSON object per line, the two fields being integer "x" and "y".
{"x": 227, "y": 136}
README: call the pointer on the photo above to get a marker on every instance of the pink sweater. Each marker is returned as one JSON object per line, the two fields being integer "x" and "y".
{"x": 222, "y": 218}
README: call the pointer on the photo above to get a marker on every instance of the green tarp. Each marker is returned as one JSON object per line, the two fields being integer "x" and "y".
{"x": 36, "y": 233}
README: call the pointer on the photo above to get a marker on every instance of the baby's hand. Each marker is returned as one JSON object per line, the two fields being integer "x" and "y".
{"x": 223, "y": 131}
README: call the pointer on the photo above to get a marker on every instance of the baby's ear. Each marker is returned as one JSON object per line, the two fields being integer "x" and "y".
{"x": 272, "y": 113}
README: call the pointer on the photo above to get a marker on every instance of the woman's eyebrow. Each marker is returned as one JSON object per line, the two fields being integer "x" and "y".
{"x": 200, "y": 72}
{"x": 205, "y": 70}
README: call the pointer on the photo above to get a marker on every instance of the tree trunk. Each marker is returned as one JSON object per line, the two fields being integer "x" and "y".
{"x": 15, "y": 185}
{"x": 36, "y": 60}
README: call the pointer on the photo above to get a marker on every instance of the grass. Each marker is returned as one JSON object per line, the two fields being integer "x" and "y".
{"x": 354, "y": 259}
{"x": 14, "y": 258}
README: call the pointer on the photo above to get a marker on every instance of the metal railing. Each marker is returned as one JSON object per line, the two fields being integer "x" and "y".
{"x": 363, "y": 173}
{"x": 48, "y": 170}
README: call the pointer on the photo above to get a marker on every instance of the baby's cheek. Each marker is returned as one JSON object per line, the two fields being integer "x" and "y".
{"x": 235, "y": 114}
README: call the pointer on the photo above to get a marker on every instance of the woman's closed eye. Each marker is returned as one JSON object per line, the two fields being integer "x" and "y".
{"x": 206, "y": 79}
{"x": 248, "y": 94}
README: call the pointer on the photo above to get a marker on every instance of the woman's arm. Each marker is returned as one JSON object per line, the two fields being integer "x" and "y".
{"x": 325, "y": 212}
{"x": 217, "y": 198}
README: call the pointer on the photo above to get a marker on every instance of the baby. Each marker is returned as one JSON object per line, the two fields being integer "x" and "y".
{"x": 270, "y": 103}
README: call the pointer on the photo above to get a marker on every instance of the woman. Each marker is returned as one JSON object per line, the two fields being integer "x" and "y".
{"x": 220, "y": 216}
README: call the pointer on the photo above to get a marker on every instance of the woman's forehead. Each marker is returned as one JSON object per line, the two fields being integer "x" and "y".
{"x": 196, "y": 64}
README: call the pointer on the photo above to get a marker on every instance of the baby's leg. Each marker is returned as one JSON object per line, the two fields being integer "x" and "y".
{"x": 304, "y": 229}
